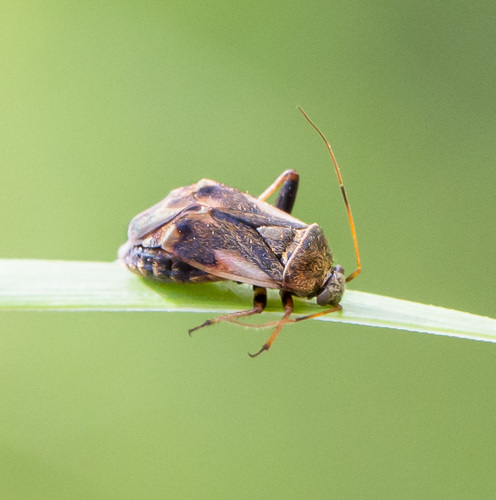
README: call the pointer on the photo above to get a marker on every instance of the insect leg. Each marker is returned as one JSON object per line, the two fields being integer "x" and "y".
{"x": 287, "y": 301}
{"x": 316, "y": 315}
{"x": 287, "y": 195}
{"x": 259, "y": 303}
{"x": 294, "y": 320}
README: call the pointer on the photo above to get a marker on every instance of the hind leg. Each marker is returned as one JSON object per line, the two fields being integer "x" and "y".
{"x": 288, "y": 181}
{"x": 259, "y": 303}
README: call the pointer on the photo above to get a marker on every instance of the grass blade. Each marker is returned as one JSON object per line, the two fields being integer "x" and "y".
{"x": 37, "y": 285}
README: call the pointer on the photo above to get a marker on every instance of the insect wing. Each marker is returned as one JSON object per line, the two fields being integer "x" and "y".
{"x": 214, "y": 241}
{"x": 162, "y": 212}
{"x": 209, "y": 194}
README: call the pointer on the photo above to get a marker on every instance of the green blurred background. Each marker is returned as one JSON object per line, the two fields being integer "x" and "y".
{"x": 106, "y": 106}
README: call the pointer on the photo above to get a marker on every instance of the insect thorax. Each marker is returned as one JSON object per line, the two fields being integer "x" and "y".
{"x": 307, "y": 262}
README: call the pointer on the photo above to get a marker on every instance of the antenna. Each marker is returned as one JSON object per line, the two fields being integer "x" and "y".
{"x": 356, "y": 272}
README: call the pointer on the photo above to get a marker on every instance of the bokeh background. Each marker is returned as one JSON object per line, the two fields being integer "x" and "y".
{"x": 106, "y": 106}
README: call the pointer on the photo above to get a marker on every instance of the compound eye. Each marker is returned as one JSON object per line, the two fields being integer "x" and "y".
{"x": 324, "y": 296}
{"x": 333, "y": 289}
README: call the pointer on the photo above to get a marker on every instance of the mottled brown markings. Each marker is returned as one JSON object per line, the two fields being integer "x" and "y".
{"x": 209, "y": 231}
{"x": 309, "y": 263}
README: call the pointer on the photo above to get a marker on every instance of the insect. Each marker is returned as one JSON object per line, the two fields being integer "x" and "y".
{"x": 210, "y": 232}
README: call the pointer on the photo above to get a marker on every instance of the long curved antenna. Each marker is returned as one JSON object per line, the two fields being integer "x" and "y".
{"x": 356, "y": 272}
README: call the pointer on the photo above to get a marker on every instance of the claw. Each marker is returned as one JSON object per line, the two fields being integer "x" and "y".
{"x": 264, "y": 348}
{"x": 207, "y": 323}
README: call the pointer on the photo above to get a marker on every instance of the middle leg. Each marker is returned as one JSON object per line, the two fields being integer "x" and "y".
{"x": 287, "y": 302}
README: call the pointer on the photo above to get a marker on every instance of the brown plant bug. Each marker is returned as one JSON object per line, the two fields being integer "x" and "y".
{"x": 211, "y": 232}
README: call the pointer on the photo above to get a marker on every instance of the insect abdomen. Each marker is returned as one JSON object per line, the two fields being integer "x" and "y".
{"x": 159, "y": 265}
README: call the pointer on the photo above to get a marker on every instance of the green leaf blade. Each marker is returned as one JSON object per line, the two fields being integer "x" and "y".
{"x": 36, "y": 285}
